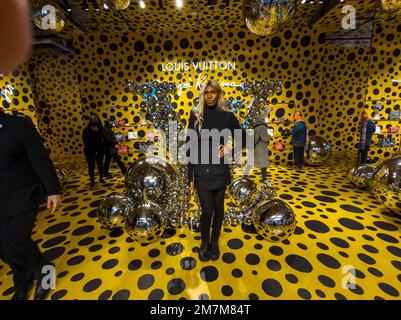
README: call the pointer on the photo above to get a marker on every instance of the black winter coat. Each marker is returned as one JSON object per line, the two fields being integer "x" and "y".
{"x": 26, "y": 171}
{"x": 206, "y": 174}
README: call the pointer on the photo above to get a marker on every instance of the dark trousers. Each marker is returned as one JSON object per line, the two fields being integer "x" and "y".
{"x": 212, "y": 205}
{"x": 18, "y": 250}
{"x": 299, "y": 155}
{"x": 107, "y": 159}
{"x": 93, "y": 158}
{"x": 363, "y": 155}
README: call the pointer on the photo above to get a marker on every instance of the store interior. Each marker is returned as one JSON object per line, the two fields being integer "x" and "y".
{"x": 328, "y": 69}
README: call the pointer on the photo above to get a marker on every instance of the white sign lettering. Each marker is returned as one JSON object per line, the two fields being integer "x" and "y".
{"x": 198, "y": 66}
{"x": 198, "y": 83}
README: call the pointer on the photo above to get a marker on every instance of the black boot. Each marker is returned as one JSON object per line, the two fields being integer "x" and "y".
{"x": 214, "y": 251}
{"x": 203, "y": 251}
{"x": 22, "y": 292}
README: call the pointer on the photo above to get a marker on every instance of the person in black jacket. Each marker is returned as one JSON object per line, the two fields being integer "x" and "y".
{"x": 208, "y": 173}
{"x": 299, "y": 140}
{"x": 26, "y": 176}
{"x": 110, "y": 150}
{"x": 93, "y": 139}
{"x": 366, "y": 131}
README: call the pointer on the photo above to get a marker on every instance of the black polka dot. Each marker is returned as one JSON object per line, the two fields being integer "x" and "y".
{"x": 92, "y": 285}
{"x": 209, "y": 274}
{"x": 317, "y": 226}
{"x": 145, "y": 281}
{"x": 176, "y": 286}
{"x": 272, "y": 288}
{"x": 298, "y": 263}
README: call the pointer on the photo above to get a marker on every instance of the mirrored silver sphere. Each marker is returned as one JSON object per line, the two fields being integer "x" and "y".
{"x": 361, "y": 176}
{"x": 146, "y": 222}
{"x": 243, "y": 191}
{"x": 113, "y": 210}
{"x": 317, "y": 151}
{"x": 274, "y": 220}
{"x": 386, "y": 184}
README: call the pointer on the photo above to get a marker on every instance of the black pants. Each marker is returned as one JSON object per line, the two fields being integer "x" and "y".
{"x": 212, "y": 205}
{"x": 299, "y": 155}
{"x": 18, "y": 250}
{"x": 107, "y": 159}
{"x": 363, "y": 155}
{"x": 93, "y": 158}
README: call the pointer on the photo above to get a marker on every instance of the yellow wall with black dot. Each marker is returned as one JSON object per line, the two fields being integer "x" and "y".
{"x": 329, "y": 85}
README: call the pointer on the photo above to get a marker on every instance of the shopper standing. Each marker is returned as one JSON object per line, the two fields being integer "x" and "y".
{"x": 93, "y": 139}
{"x": 261, "y": 152}
{"x": 367, "y": 129}
{"x": 209, "y": 176}
{"x": 299, "y": 140}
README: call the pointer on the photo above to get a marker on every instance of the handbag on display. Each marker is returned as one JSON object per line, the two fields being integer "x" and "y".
{"x": 386, "y": 142}
{"x": 122, "y": 123}
{"x": 279, "y": 146}
{"x": 378, "y": 130}
{"x": 120, "y": 137}
{"x": 123, "y": 148}
{"x": 394, "y": 115}
{"x": 132, "y": 135}
{"x": 392, "y": 129}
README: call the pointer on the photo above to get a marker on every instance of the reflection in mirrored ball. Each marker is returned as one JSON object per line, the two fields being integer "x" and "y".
{"x": 146, "y": 222}
{"x": 317, "y": 151}
{"x": 243, "y": 191}
{"x": 274, "y": 220}
{"x": 386, "y": 184}
{"x": 361, "y": 176}
{"x": 113, "y": 210}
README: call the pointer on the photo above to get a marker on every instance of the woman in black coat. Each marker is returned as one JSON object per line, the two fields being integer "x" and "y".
{"x": 208, "y": 173}
{"x": 93, "y": 139}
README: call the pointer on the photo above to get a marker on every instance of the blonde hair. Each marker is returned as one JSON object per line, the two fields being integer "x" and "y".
{"x": 221, "y": 103}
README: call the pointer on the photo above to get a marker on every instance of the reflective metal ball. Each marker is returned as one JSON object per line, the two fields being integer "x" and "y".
{"x": 146, "y": 222}
{"x": 274, "y": 220}
{"x": 317, "y": 151}
{"x": 386, "y": 184}
{"x": 113, "y": 210}
{"x": 243, "y": 191}
{"x": 361, "y": 176}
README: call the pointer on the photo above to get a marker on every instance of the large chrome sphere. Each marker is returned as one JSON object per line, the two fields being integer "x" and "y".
{"x": 361, "y": 176}
{"x": 146, "y": 222}
{"x": 265, "y": 18}
{"x": 243, "y": 191}
{"x": 318, "y": 151}
{"x": 151, "y": 178}
{"x": 274, "y": 220}
{"x": 118, "y": 4}
{"x": 386, "y": 184}
{"x": 113, "y": 210}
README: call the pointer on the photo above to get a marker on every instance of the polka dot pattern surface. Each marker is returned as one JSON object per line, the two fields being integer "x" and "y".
{"x": 346, "y": 235}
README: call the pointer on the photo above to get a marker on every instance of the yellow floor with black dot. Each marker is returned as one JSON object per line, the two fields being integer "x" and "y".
{"x": 340, "y": 228}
